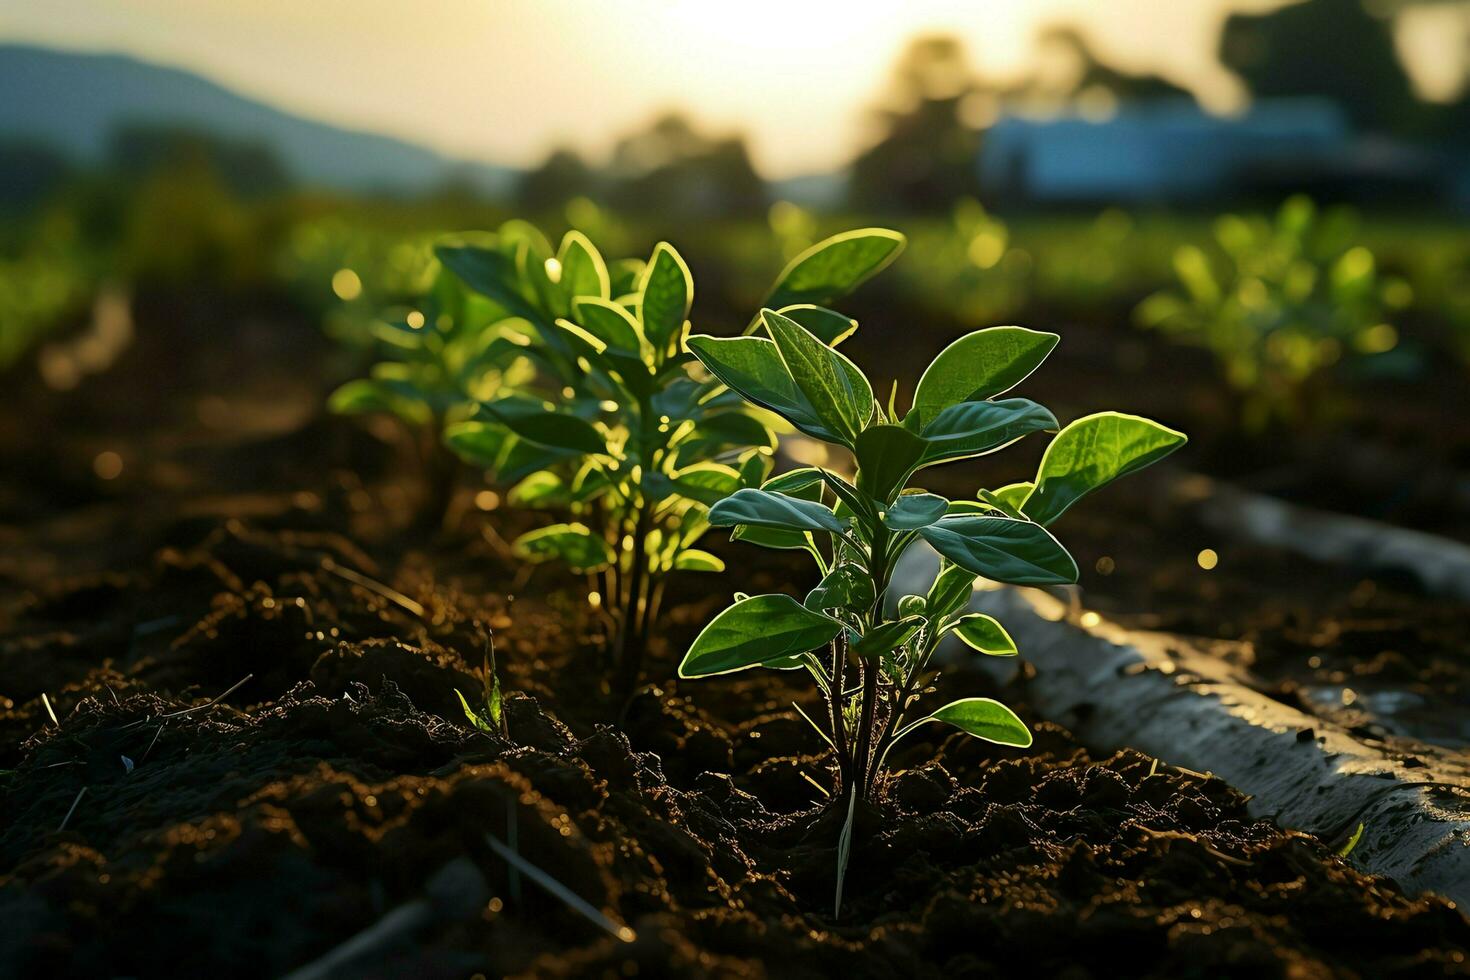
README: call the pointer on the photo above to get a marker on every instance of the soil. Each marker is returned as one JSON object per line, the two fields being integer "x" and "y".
{"x": 152, "y": 830}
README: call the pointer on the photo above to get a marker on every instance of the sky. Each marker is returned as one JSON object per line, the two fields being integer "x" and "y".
{"x": 507, "y": 80}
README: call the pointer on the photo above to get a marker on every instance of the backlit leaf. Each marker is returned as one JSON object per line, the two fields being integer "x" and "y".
{"x": 754, "y": 631}
{"x": 833, "y": 386}
{"x": 986, "y": 634}
{"x": 912, "y": 511}
{"x": 666, "y": 294}
{"x": 835, "y": 266}
{"x": 1092, "y": 452}
{"x": 981, "y": 365}
{"x": 985, "y": 719}
{"x": 571, "y": 543}
{"x": 766, "y": 509}
{"x": 1002, "y": 549}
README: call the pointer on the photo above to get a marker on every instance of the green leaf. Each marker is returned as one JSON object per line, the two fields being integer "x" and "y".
{"x": 365, "y": 395}
{"x": 951, "y": 590}
{"x": 804, "y": 483}
{"x": 542, "y": 489}
{"x": 886, "y": 456}
{"x": 1092, "y": 452}
{"x": 835, "y": 388}
{"x": 912, "y": 605}
{"x": 1002, "y": 549}
{"x": 848, "y": 495}
{"x": 520, "y": 458}
{"x": 469, "y": 713}
{"x": 794, "y": 482}
{"x": 724, "y": 431}
{"x": 694, "y": 560}
{"x": 845, "y": 587}
{"x": 981, "y": 365}
{"x": 763, "y": 508}
{"x": 773, "y": 538}
{"x": 491, "y": 274}
{"x": 985, "y": 719}
{"x": 836, "y": 266}
{"x": 623, "y": 276}
{"x": 707, "y": 483}
{"x": 888, "y": 637}
{"x": 571, "y": 543}
{"x": 608, "y": 322}
{"x": 912, "y": 511}
{"x": 828, "y": 326}
{"x": 755, "y": 631}
{"x": 478, "y": 443}
{"x": 1352, "y": 842}
{"x": 534, "y": 422}
{"x": 583, "y": 272}
{"x": 970, "y": 429}
{"x": 753, "y": 367}
{"x": 985, "y": 634}
{"x": 755, "y": 466}
{"x": 1009, "y": 497}
{"x": 665, "y": 295}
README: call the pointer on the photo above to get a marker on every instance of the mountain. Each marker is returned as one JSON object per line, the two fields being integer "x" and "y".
{"x": 74, "y": 101}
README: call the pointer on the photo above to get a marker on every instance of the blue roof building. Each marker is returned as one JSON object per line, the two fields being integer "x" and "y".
{"x": 1169, "y": 151}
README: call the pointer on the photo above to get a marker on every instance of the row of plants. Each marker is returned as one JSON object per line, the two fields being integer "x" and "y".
{"x": 1282, "y": 303}
{"x": 579, "y": 386}
{"x": 45, "y": 277}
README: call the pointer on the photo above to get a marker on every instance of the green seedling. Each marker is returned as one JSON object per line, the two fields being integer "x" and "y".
{"x": 1277, "y": 303}
{"x": 490, "y": 717}
{"x": 870, "y": 657}
{"x": 610, "y": 426}
{"x": 439, "y": 354}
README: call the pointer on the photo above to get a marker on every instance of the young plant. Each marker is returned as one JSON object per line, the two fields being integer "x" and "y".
{"x": 1280, "y": 302}
{"x": 611, "y": 425}
{"x": 870, "y": 657}
{"x": 441, "y": 353}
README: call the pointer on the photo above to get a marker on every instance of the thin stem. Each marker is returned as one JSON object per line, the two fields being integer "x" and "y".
{"x": 630, "y": 654}
{"x": 865, "y": 724}
{"x": 839, "y": 727}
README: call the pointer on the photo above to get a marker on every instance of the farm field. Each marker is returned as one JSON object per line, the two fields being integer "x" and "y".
{"x": 662, "y": 490}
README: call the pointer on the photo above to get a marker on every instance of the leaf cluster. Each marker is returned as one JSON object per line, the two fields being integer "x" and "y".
{"x": 857, "y": 529}
{"x": 601, "y": 412}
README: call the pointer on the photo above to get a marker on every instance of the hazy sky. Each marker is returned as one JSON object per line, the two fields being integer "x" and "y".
{"x": 507, "y": 79}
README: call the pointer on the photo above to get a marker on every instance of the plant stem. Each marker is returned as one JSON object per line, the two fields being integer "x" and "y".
{"x": 632, "y": 640}
{"x": 839, "y": 726}
{"x": 865, "y": 725}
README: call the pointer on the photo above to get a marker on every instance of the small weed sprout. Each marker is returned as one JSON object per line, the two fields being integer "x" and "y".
{"x": 870, "y": 666}
{"x": 605, "y": 421}
{"x": 1278, "y": 303}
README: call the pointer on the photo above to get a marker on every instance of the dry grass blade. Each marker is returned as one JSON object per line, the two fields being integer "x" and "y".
{"x": 373, "y": 585}
{"x": 553, "y": 887}
{"x": 67, "y": 819}
{"x": 212, "y": 701}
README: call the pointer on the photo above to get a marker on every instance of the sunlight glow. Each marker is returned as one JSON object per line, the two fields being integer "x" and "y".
{"x": 510, "y": 80}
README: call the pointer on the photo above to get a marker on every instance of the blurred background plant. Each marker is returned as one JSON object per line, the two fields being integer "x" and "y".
{"x": 1046, "y": 168}
{"x": 1278, "y": 301}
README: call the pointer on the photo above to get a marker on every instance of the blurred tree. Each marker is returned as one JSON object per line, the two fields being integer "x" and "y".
{"x": 29, "y": 174}
{"x": 1081, "y": 73}
{"x": 563, "y": 175}
{"x": 924, "y": 157}
{"x": 1335, "y": 49}
{"x": 671, "y": 168}
{"x": 247, "y": 169}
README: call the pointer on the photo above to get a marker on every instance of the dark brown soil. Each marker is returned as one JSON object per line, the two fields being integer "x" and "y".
{"x": 248, "y": 837}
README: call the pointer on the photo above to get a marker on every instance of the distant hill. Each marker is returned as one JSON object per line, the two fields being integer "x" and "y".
{"x": 74, "y": 101}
